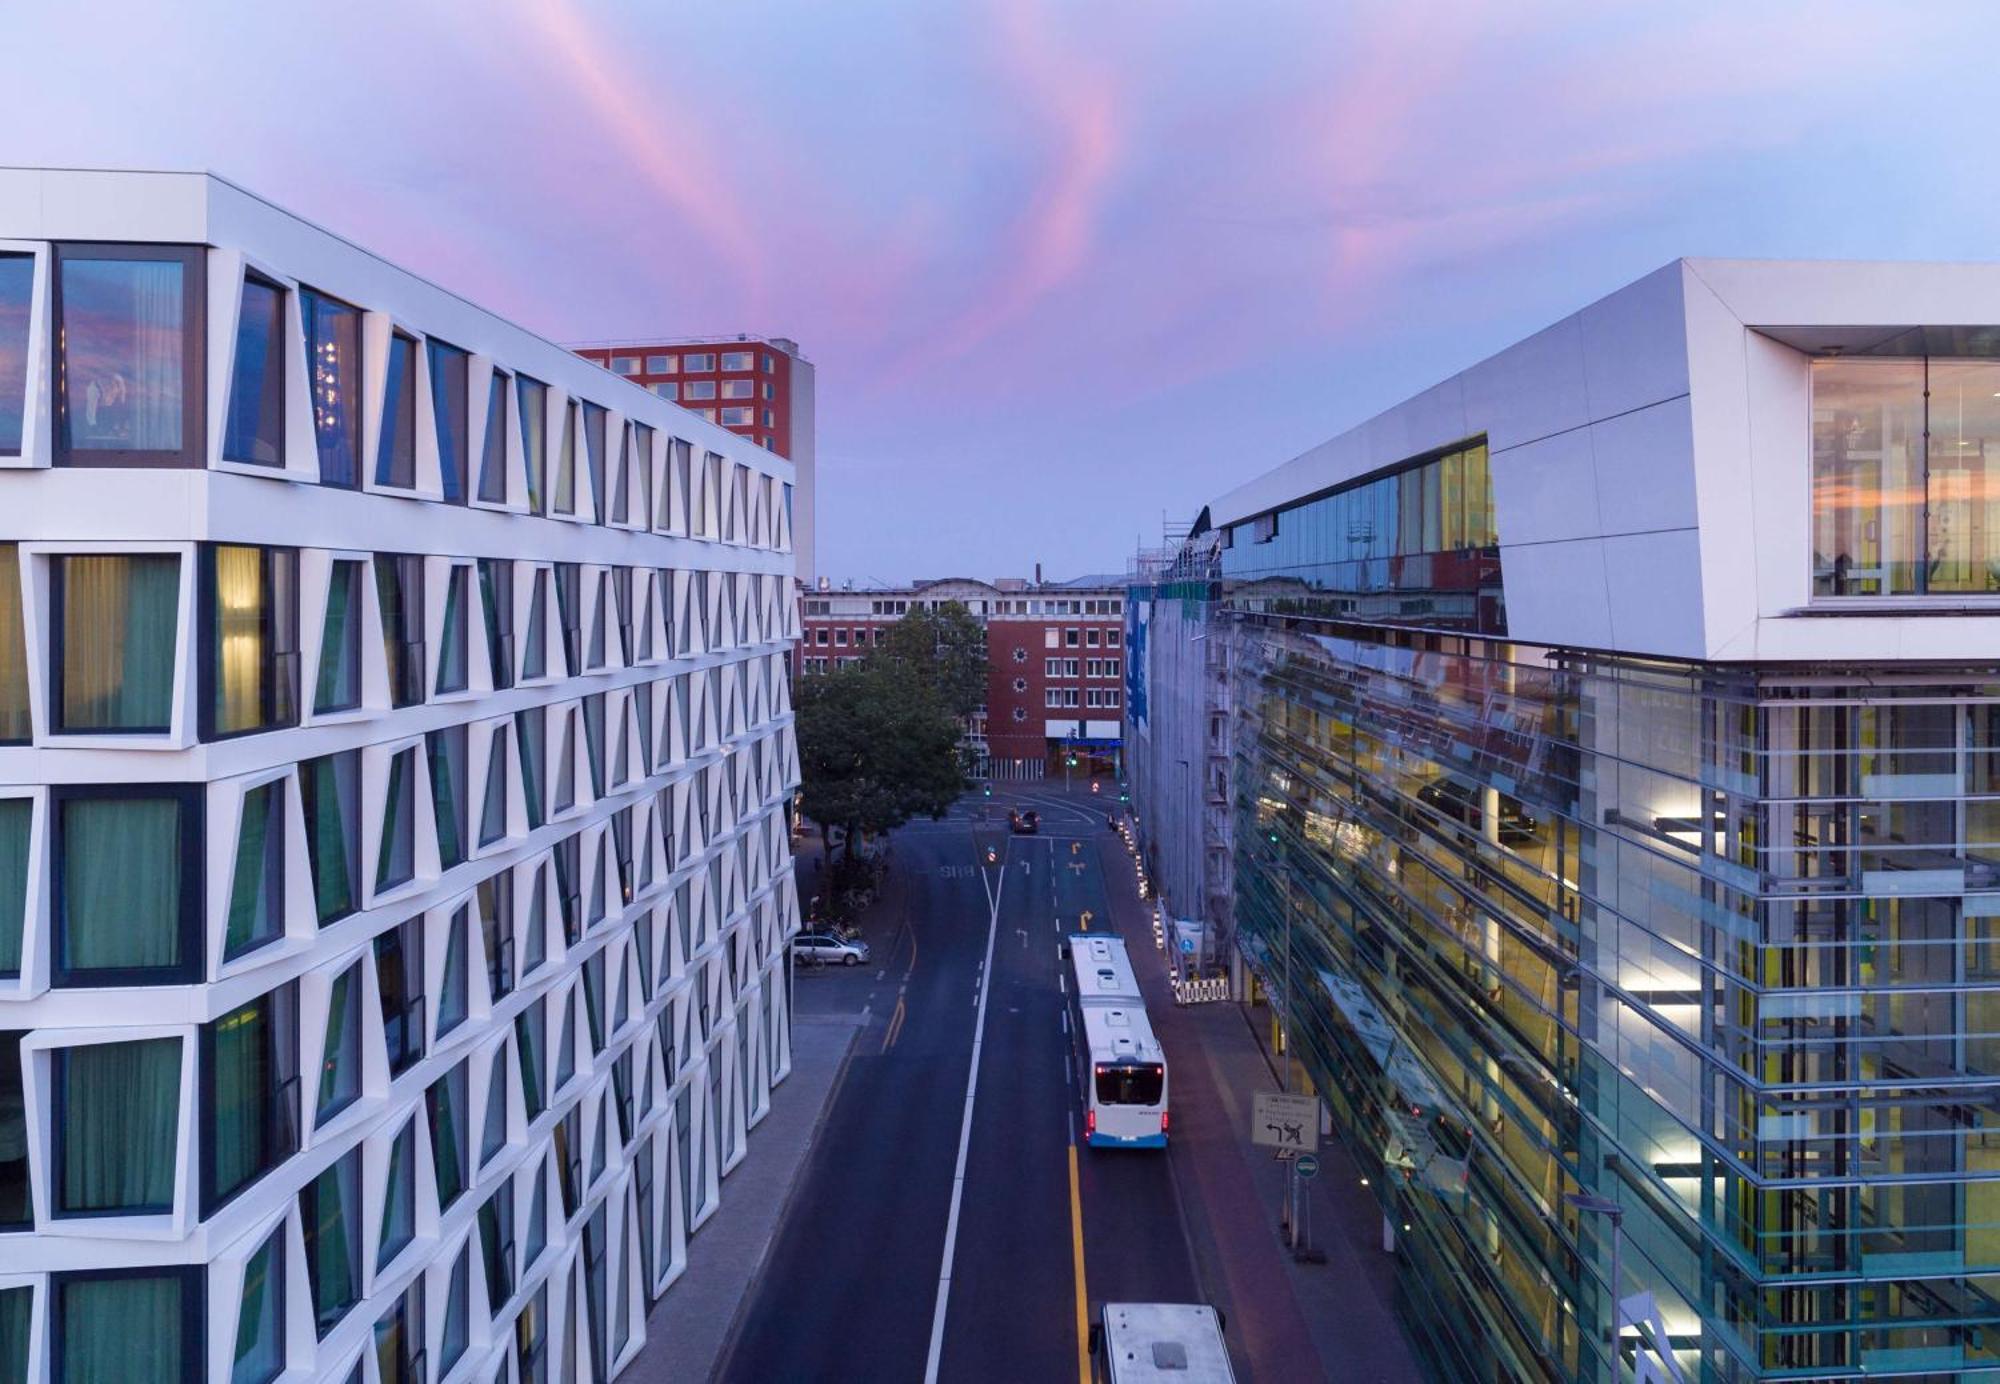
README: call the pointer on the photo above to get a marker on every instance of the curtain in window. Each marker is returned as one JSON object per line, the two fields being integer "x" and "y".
{"x": 16, "y": 1307}
{"x": 14, "y": 719}
{"x": 249, "y": 1081}
{"x": 118, "y": 638}
{"x": 119, "y": 1106}
{"x": 241, "y": 605}
{"x": 331, "y": 1207}
{"x": 340, "y": 644}
{"x": 333, "y": 359}
{"x": 16, "y": 816}
{"x": 260, "y": 1329}
{"x": 128, "y": 1329}
{"x": 121, "y": 884}
{"x": 257, "y": 891}
{"x": 121, "y": 343}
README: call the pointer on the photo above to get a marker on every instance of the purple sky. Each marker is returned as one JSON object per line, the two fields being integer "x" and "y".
{"x": 1064, "y": 269}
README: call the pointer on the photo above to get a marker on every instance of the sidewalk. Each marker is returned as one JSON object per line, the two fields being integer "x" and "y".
{"x": 693, "y": 1324}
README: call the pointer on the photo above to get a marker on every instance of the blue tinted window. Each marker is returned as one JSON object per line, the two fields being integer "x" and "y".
{"x": 396, "y": 453}
{"x": 333, "y": 362}
{"x": 124, "y": 349}
{"x": 17, "y": 282}
{"x": 256, "y": 431}
{"x": 448, "y": 400}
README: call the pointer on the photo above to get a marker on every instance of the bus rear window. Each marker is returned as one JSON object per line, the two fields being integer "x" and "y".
{"x": 1135, "y": 1084}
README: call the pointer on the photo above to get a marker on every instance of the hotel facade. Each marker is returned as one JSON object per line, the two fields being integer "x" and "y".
{"x": 1615, "y": 822}
{"x": 394, "y": 876}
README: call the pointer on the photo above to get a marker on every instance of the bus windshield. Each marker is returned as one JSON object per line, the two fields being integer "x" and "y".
{"x": 1130, "y": 1084}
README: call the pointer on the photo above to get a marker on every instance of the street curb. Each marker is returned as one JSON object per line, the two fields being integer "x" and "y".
{"x": 725, "y": 1355}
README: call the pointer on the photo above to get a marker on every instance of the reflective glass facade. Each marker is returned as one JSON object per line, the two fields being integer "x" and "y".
{"x": 1717, "y": 943}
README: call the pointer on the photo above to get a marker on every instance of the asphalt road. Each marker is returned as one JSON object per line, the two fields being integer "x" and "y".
{"x": 850, "y": 1289}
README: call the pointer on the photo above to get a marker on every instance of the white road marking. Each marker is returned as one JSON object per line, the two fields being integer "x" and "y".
{"x": 964, "y": 1142}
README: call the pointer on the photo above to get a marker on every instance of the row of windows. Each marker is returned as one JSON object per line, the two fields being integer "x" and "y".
{"x": 692, "y": 362}
{"x": 1095, "y": 697}
{"x": 128, "y": 331}
{"x": 706, "y": 391}
{"x": 824, "y": 606}
{"x": 837, "y": 636}
{"x": 1090, "y": 667}
{"x": 113, "y": 622}
{"x": 1073, "y": 637}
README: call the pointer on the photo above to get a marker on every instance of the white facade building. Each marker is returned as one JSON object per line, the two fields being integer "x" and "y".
{"x": 394, "y": 876}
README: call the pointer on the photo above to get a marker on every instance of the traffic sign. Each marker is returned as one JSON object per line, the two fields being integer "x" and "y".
{"x": 1308, "y": 1166}
{"x": 1282, "y": 1121}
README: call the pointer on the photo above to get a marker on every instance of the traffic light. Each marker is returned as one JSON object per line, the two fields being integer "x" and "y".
{"x": 1072, "y": 761}
{"x": 989, "y": 790}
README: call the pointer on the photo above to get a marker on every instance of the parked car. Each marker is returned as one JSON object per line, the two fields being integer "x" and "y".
{"x": 1024, "y": 823}
{"x": 1460, "y": 801}
{"x": 826, "y": 949}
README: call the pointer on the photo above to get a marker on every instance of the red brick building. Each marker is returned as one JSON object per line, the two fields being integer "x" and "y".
{"x": 1055, "y": 659}
{"x": 759, "y": 387}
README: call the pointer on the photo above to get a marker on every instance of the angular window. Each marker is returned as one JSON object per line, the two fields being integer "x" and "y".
{"x": 565, "y": 496}
{"x": 529, "y": 1026}
{"x": 535, "y": 948}
{"x": 396, "y": 448}
{"x": 535, "y": 658}
{"x": 621, "y": 482}
{"x": 593, "y": 741}
{"x": 340, "y": 1061}
{"x": 256, "y": 427}
{"x": 249, "y": 1094}
{"x": 597, "y": 624}
{"x": 250, "y": 601}
{"x": 538, "y": 1214}
{"x": 566, "y": 764}
{"x": 115, "y": 628}
{"x": 569, "y": 609}
{"x": 331, "y": 788}
{"x": 17, "y": 1211}
{"x": 621, "y": 593}
{"x": 399, "y": 975}
{"x": 116, "y": 1124}
{"x": 16, "y": 725}
{"x": 566, "y": 1042}
{"x": 496, "y": 911}
{"x": 493, "y": 1137}
{"x": 594, "y": 1273}
{"x": 533, "y": 397}
{"x": 569, "y": 886}
{"x": 454, "y": 989}
{"x": 396, "y": 862}
{"x": 399, "y": 1196}
{"x": 593, "y": 1000}
{"x": 399, "y": 587}
{"x": 568, "y": 1154}
{"x": 531, "y": 731}
{"x": 399, "y": 1339}
{"x": 129, "y": 359}
{"x": 330, "y": 1209}
{"x": 445, "y": 1103}
{"x": 642, "y": 710}
{"x": 493, "y": 450}
{"x": 450, "y": 790}
{"x": 260, "y": 1319}
{"x": 457, "y": 1312}
{"x": 17, "y": 816}
{"x": 496, "y": 1243}
{"x": 127, "y": 867}
{"x": 496, "y": 598}
{"x": 17, "y": 287}
{"x": 339, "y": 684}
{"x": 448, "y": 405}
{"x": 333, "y": 369}
{"x": 493, "y": 812}
{"x": 136, "y": 1324}
{"x": 453, "y": 655}
{"x": 642, "y": 474}
{"x": 594, "y": 442}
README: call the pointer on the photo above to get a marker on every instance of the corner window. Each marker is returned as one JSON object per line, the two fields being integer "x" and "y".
{"x": 126, "y": 1324}
{"x": 117, "y": 1116}
{"x": 256, "y": 424}
{"x": 339, "y": 684}
{"x": 396, "y": 448}
{"x": 330, "y": 1210}
{"x": 116, "y": 624}
{"x": 333, "y": 372}
{"x": 128, "y": 356}
{"x": 128, "y": 888}
{"x": 249, "y": 1094}
{"x": 493, "y": 452}
{"x": 16, "y": 724}
{"x": 17, "y": 287}
{"x": 331, "y": 789}
{"x": 448, "y": 405}
{"x": 250, "y": 601}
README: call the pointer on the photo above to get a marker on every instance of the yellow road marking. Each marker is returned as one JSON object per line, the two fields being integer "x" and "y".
{"x": 895, "y": 1028}
{"x": 1076, "y": 1255}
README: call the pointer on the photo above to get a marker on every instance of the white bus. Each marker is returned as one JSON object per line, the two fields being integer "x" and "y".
{"x": 1121, "y": 1068}
{"x": 1169, "y": 1342}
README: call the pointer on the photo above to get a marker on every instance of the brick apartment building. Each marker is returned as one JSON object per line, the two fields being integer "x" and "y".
{"x": 1055, "y": 662}
{"x": 759, "y": 387}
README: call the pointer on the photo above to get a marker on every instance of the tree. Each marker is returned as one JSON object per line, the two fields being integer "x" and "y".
{"x": 946, "y": 648}
{"x": 876, "y": 748}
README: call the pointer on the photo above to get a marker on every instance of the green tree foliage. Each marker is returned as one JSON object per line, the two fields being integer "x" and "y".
{"x": 946, "y": 648}
{"x": 877, "y": 747}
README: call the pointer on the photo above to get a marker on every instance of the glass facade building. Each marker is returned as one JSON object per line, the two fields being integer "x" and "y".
{"x": 1647, "y": 985}
{"x": 301, "y": 1074}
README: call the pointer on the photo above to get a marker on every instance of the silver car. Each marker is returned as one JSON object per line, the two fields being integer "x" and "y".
{"x": 823, "y": 949}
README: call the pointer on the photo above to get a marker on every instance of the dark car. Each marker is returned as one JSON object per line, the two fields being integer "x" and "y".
{"x": 1024, "y": 823}
{"x": 1460, "y": 801}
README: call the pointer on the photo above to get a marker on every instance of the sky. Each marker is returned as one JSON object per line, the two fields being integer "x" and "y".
{"x": 1067, "y": 271}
